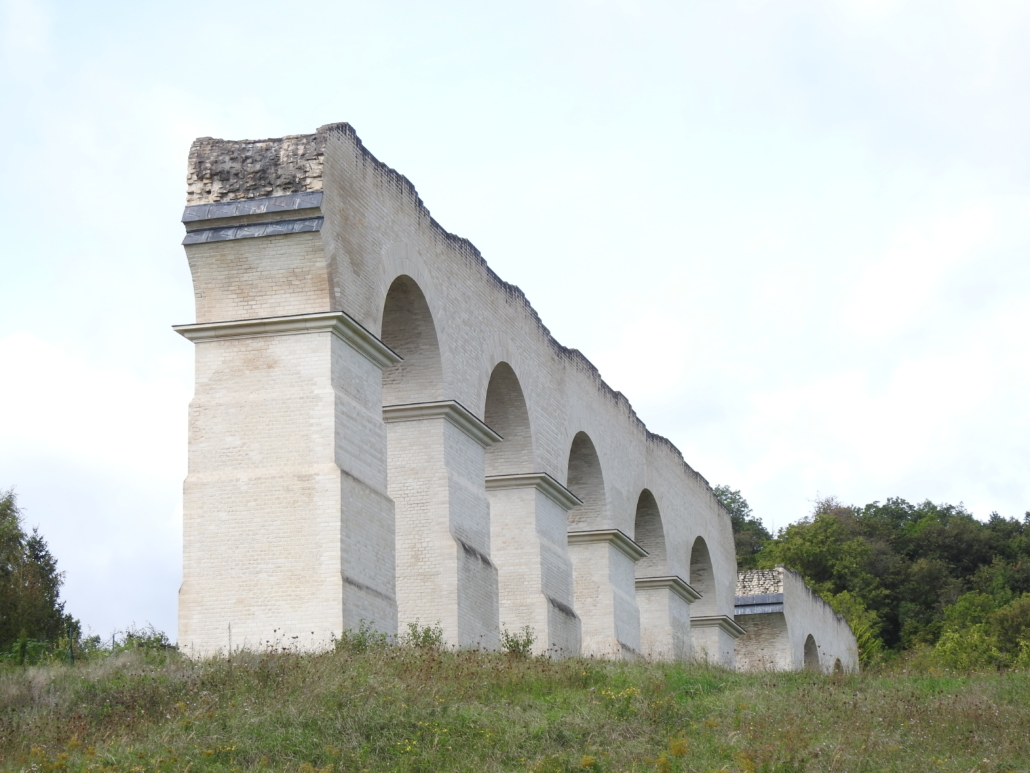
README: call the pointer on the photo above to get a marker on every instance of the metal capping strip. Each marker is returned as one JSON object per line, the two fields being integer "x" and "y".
{"x": 253, "y": 230}
{"x": 758, "y": 609}
{"x": 758, "y": 598}
{"x": 287, "y": 203}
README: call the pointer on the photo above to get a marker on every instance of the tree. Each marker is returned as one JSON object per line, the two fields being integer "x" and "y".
{"x": 907, "y": 570}
{"x": 749, "y": 533}
{"x": 30, "y": 582}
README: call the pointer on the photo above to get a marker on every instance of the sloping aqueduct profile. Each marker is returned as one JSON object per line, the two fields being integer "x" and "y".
{"x": 383, "y": 431}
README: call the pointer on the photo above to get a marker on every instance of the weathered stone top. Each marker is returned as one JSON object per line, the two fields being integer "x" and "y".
{"x": 229, "y": 170}
{"x": 758, "y": 581}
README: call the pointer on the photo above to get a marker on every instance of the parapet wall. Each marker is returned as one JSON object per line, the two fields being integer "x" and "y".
{"x": 789, "y": 627}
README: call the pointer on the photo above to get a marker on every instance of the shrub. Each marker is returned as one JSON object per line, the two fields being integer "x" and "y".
{"x": 428, "y": 637}
{"x": 968, "y": 649}
{"x": 518, "y": 644}
{"x": 362, "y": 640}
{"x": 1011, "y": 624}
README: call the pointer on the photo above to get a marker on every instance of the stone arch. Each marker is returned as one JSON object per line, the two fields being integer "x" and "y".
{"x": 506, "y": 414}
{"x": 409, "y": 330}
{"x": 811, "y": 654}
{"x": 649, "y": 533}
{"x": 838, "y": 667}
{"x": 586, "y": 481}
{"x": 702, "y": 577}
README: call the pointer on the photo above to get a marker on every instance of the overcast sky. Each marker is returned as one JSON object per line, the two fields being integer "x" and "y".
{"x": 795, "y": 234}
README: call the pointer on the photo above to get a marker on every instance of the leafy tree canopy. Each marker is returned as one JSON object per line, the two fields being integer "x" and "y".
{"x": 30, "y": 583}
{"x": 908, "y": 570}
{"x": 749, "y": 534}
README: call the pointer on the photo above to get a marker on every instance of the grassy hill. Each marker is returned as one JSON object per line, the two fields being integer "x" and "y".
{"x": 374, "y": 707}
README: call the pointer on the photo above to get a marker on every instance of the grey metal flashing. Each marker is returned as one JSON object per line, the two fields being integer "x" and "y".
{"x": 253, "y": 230}
{"x": 758, "y": 598}
{"x": 293, "y": 201}
{"x": 757, "y": 609}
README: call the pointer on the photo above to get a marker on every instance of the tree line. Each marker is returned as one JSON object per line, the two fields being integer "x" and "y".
{"x": 30, "y": 584}
{"x": 906, "y": 576}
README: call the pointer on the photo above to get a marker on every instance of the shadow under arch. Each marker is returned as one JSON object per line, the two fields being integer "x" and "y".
{"x": 702, "y": 577}
{"x": 586, "y": 481}
{"x": 507, "y": 415}
{"x": 649, "y": 533}
{"x": 811, "y": 654}
{"x": 838, "y": 667}
{"x": 409, "y": 330}
{"x": 435, "y": 469}
{"x": 661, "y": 599}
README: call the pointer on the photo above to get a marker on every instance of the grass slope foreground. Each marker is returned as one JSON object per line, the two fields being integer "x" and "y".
{"x": 371, "y": 706}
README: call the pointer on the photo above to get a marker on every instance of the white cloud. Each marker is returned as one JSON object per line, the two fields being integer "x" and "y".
{"x": 900, "y": 286}
{"x": 25, "y": 37}
{"x": 59, "y": 404}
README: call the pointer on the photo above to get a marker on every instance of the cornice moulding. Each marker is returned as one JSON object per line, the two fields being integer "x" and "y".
{"x": 339, "y": 323}
{"x": 541, "y": 481}
{"x": 450, "y": 410}
{"x": 677, "y": 585}
{"x": 718, "y": 621}
{"x": 619, "y": 539}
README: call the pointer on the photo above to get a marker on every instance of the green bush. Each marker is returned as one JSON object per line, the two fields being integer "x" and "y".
{"x": 518, "y": 644}
{"x": 428, "y": 637}
{"x": 968, "y": 649}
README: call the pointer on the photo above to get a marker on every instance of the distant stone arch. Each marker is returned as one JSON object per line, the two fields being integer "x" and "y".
{"x": 586, "y": 481}
{"x": 811, "y": 654}
{"x": 838, "y": 667}
{"x": 702, "y": 577}
{"x": 649, "y": 533}
{"x": 507, "y": 415}
{"x": 409, "y": 330}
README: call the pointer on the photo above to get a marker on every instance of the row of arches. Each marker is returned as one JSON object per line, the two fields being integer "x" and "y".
{"x": 408, "y": 328}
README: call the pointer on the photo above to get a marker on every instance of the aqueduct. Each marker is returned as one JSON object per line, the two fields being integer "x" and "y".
{"x": 384, "y": 431}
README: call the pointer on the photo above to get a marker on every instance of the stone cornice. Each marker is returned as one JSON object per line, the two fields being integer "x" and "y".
{"x": 677, "y": 585}
{"x": 450, "y": 410}
{"x": 541, "y": 481}
{"x": 718, "y": 621}
{"x": 339, "y": 323}
{"x": 617, "y": 538}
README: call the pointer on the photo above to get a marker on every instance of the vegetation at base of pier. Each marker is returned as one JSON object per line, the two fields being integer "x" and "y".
{"x": 927, "y": 579}
{"x": 371, "y": 705}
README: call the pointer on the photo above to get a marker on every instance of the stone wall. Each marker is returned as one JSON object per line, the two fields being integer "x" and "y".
{"x": 788, "y": 626}
{"x": 384, "y": 431}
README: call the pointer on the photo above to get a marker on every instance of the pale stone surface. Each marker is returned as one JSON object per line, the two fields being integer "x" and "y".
{"x": 432, "y": 454}
{"x": 789, "y": 627}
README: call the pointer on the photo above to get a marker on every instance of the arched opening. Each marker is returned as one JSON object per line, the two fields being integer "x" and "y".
{"x": 586, "y": 482}
{"x": 506, "y": 414}
{"x": 702, "y": 577}
{"x": 408, "y": 329}
{"x": 649, "y": 534}
{"x": 838, "y": 667}
{"x": 811, "y": 654}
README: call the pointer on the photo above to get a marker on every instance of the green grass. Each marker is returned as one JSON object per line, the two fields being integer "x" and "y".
{"x": 400, "y": 708}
